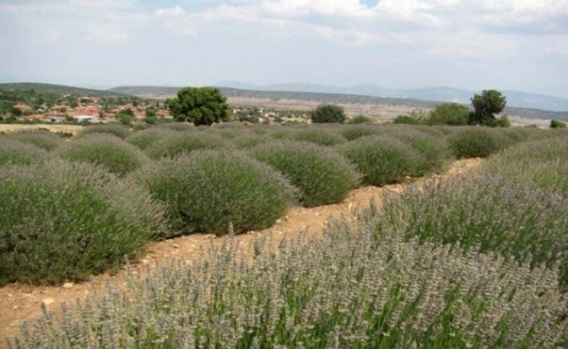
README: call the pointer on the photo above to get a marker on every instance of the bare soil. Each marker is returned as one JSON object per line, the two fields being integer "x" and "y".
{"x": 20, "y": 302}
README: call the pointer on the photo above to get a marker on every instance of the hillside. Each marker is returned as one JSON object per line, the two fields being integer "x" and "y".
{"x": 61, "y": 89}
{"x": 332, "y": 98}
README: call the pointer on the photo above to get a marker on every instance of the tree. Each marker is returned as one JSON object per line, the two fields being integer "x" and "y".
{"x": 125, "y": 116}
{"x": 486, "y": 105}
{"x": 326, "y": 113}
{"x": 449, "y": 114}
{"x": 199, "y": 105}
{"x": 557, "y": 124}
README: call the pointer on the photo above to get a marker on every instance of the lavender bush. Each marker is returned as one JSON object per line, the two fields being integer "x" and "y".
{"x": 381, "y": 159}
{"x": 184, "y": 142}
{"x": 118, "y": 130}
{"x": 344, "y": 290}
{"x": 207, "y": 191}
{"x": 63, "y": 221}
{"x": 42, "y": 139}
{"x": 17, "y": 153}
{"x": 106, "y": 150}
{"x": 322, "y": 175}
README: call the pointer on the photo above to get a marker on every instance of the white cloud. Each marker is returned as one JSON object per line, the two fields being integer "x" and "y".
{"x": 105, "y": 32}
{"x": 170, "y": 12}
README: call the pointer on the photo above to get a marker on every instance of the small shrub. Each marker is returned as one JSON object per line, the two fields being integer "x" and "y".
{"x": 179, "y": 126}
{"x": 248, "y": 140}
{"x": 449, "y": 114}
{"x": 208, "y": 190}
{"x": 557, "y": 124}
{"x": 118, "y": 130}
{"x": 63, "y": 221}
{"x": 184, "y": 142}
{"x": 328, "y": 113}
{"x": 359, "y": 119}
{"x": 477, "y": 142}
{"x": 317, "y": 136}
{"x": 17, "y": 153}
{"x": 322, "y": 175}
{"x": 149, "y": 137}
{"x": 42, "y": 139}
{"x": 434, "y": 151}
{"x": 381, "y": 159}
{"x": 105, "y": 150}
{"x": 352, "y": 133}
{"x": 412, "y": 119}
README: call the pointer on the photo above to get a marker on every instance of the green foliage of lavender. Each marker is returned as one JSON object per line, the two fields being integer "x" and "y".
{"x": 42, "y": 139}
{"x": 207, "y": 191}
{"x": 17, "y": 153}
{"x": 62, "y": 221}
{"x": 382, "y": 159}
{"x": 322, "y": 175}
{"x": 106, "y": 150}
{"x": 318, "y": 135}
{"x": 345, "y": 290}
{"x": 147, "y": 138}
{"x": 434, "y": 151}
{"x": 486, "y": 213}
{"x": 118, "y": 130}
{"x": 542, "y": 163}
{"x": 352, "y": 133}
{"x": 184, "y": 142}
{"x": 476, "y": 142}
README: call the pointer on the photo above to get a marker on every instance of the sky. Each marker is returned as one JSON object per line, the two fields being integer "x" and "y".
{"x": 471, "y": 44}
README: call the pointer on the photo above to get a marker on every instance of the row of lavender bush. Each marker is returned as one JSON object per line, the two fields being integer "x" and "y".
{"x": 469, "y": 263}
{"x": 197, "y": 179}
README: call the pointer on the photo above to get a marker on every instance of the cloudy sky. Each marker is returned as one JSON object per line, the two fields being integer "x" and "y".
{"x": 472, "y": 44}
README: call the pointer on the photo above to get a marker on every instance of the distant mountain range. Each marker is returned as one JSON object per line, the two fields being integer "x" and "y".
{"x": 517, "y": 99}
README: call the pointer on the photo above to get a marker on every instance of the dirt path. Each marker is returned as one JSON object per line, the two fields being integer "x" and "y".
{"x": 22, "y": 302}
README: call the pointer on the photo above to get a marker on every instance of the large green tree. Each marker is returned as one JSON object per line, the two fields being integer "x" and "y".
{"x": 328, "y": 113}
{"x": 486, "y": 105}
{"x": 199, "y": 105}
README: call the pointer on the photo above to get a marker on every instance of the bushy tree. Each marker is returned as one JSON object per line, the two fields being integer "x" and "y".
{"x": 199, "y": 105}
{"x": 328, "y": 113}
{"x": 449, "y": 114}
{"x": 486, "y": 105}
{"x": 557, "y": 124}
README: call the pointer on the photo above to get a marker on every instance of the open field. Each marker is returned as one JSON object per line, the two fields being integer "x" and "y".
{"x": 293, "y": 248}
